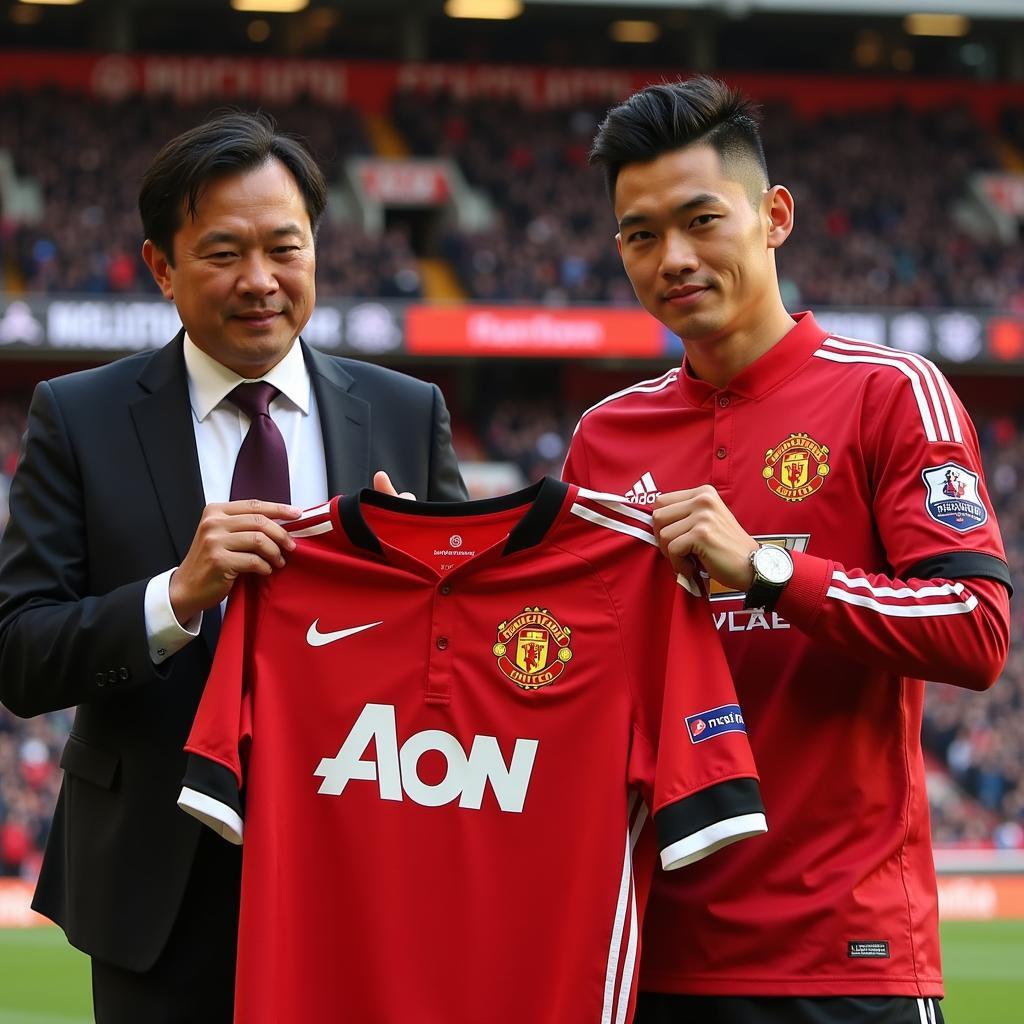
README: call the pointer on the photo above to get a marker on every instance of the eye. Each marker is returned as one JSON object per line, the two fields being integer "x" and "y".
{"x": 703, "y": 220}
{"x": 285, "y": 249}
{"x": 639, "y": 236}
{"x": 225, "y": 254}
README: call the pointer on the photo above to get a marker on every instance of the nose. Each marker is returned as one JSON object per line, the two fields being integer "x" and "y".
{"x": 256, "y": 276}
{"x": 678, "y": 255}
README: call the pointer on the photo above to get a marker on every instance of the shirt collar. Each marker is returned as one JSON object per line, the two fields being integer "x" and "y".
{"x": 542, "y": 503}
{"x": 210, "y": 382}
{"x": 782, "y": 359}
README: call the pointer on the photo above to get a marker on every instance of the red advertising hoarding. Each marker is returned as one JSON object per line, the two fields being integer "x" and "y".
{"x": 370, "y": 85}
{"x": 576, "y": 332}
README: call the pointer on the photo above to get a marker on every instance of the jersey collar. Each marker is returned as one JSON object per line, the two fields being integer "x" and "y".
{"x": 545, "y": 500}
{"x": 781, "y": 360}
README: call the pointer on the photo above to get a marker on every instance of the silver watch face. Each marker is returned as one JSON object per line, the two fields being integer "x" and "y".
{"x": 773, "y": 563}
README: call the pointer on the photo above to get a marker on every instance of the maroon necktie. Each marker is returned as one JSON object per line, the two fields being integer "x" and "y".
{"x": 261, "y": 469}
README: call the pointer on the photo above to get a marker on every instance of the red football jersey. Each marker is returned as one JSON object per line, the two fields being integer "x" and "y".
{"x": 861, "y": 461}
{"x": 441, "y": 717}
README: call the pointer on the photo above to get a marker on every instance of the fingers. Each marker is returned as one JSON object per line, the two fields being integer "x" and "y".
{"x": 667, "y": 498}
{"x": 232, "y": 538}
{"x": 258, "y": 524}
{"x": 383, "y": 485}
{"x": 255, "y": 507}
{"x": 258, "y": 543}
{"x": 696, "y": 526}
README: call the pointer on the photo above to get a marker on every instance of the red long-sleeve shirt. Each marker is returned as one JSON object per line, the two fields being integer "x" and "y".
{"x": 862, "y": 462}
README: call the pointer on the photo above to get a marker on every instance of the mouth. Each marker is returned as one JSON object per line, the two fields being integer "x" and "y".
{"x": 258, "y": 318}
{"x": 687, "y": 295}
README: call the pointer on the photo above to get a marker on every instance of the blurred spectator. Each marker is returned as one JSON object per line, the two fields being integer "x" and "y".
{"x": 980, "y": 736}
{"x": 867, "y": 187}
{"x": 877, "y": 194}
{"x": 87, "y": 157}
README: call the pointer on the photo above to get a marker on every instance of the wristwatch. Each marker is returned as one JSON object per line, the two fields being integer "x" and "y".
{"x": 773, "y": 569}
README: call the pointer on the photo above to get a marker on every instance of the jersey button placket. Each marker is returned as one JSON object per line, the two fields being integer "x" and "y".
{"x": 439, "y": 670}
{"x": 722, "y": 444}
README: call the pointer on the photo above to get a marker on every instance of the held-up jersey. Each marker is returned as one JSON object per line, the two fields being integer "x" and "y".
{"x": 448, "y": 721}
{"x": 861, "y": 461}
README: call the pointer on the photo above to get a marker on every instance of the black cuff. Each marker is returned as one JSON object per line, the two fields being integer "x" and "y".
{"x": 958, "y": 565}
{"x": 686, "y": 817}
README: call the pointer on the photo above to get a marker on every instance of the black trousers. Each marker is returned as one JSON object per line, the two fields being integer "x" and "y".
{"x": 193, "y": 981}
{"x": 663, "y": 1008}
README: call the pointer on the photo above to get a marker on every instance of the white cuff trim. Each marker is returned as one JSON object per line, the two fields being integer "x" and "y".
{"x": 697, "y": 846}
{"x": 165, "y": 635}
{"x": 221, "y": 818}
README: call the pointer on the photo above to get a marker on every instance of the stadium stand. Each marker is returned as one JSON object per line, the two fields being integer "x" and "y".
{"x": 88, "y": 157}
{"x": 880, "y": 187}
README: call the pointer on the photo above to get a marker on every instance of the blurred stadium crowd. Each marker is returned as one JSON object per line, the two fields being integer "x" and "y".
{"x": 975, "y": 742}
{"x": 877, "y": 197}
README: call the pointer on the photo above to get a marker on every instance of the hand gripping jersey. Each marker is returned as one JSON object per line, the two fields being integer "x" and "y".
{"x": 447, "y": 721}
{"x": 862, "y": 462}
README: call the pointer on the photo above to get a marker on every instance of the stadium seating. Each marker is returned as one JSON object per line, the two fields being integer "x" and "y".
{"x": 876, "y": 191}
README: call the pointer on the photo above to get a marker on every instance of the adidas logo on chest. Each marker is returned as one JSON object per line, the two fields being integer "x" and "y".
{"x": 644, "y": 491}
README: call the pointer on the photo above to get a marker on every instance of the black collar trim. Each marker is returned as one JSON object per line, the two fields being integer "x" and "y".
{"x": 545, "y": 498}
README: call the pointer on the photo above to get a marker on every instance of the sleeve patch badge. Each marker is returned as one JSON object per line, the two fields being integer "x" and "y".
{"x": 709, "y": 724}
{"x": 953, "y": 498}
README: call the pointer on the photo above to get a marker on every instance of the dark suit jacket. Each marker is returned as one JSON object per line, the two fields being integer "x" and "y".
{"x": 107, "y": 495}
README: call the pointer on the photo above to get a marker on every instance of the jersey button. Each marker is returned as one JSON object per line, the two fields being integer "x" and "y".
{"x": 446, "y": 589}
{"x": 723, "y": 402}
{"x": 721, "y": 453}
{"x": 442, "y": 643}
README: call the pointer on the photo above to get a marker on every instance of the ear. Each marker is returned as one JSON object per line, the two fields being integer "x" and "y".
{"x": 159, "y": 267}
{"x": 778, "y": 209}
{"x": 618, "y": 243}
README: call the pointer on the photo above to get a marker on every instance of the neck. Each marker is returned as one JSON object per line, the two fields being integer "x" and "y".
{"x": 718, "y": 358}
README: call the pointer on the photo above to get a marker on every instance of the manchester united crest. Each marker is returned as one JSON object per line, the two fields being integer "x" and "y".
{"x": 533, "y": 648}
{"x": 796, "y": 468}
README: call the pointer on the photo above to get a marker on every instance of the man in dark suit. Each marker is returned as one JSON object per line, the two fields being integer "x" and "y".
{"x": 145, "y": 488}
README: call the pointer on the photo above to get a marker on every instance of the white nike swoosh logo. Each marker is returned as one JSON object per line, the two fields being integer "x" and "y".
{"x": 317, "y": 639}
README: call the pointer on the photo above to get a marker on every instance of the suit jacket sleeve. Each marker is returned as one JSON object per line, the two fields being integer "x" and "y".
{"x": 61, "y": 645}
{"x": 445, "y": 482}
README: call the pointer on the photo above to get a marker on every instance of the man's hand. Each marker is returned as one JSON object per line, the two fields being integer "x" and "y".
{"x": 232, "y": 537}
{"x": 382, "y": 483}
{"x": 697, "y": 525}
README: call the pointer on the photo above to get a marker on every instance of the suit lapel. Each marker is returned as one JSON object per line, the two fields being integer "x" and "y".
{"x": 163, "y": 422}
{"x": 345, "y": 422}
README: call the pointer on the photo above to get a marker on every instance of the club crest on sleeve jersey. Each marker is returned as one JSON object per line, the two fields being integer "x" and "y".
{"x": 448, "y": 722}
{"x": 861, "y": 455}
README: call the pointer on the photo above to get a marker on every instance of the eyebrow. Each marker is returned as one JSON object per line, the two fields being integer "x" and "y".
{"x": 218, "y": 237}
{"x": 704, "y": 199}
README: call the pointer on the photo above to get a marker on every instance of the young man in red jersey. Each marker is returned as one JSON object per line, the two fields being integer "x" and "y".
{"x": 809, "y": 477}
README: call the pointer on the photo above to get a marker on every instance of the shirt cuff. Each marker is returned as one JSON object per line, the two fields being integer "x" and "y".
{"x": 804, "y": 595}
{"x": 165, "y": 635}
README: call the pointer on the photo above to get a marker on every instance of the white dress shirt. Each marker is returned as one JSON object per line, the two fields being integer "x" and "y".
{"x": 220, "y": 427}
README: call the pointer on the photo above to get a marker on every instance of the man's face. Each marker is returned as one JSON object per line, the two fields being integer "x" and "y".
{"x": 697, "y": 253}
{"x": 243, "y": 269}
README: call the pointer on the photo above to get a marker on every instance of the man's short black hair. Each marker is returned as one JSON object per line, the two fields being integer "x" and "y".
{"x": 227, "y": 143}
{"x": 663, "y": 118}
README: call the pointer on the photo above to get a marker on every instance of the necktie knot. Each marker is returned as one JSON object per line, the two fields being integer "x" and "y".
{"x": 254, "y": 397}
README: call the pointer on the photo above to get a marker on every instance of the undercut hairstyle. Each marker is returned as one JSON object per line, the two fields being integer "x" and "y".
{"x": 671, "y": 116}
{"x": 227, "y": 143}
